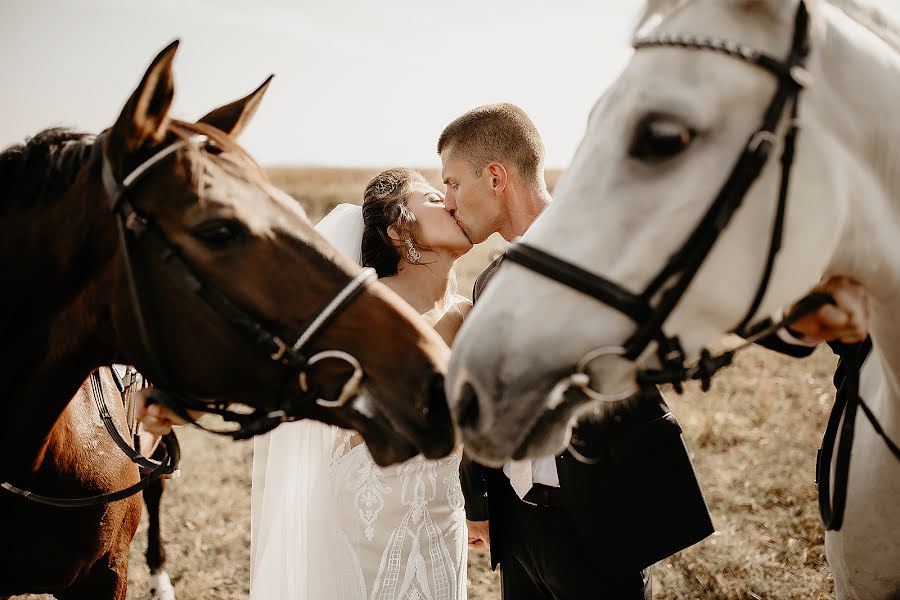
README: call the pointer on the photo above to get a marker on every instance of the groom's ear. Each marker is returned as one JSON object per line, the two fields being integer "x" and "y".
{"x": 498, "y": 175}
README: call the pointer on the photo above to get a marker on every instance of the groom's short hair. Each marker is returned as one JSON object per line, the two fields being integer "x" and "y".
{"x": 496, "y": 132}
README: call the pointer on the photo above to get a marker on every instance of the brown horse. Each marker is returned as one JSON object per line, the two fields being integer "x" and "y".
{"x": 69, "y": 305}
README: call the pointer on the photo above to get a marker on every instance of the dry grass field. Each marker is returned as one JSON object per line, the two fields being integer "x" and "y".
{"x": 753, "y": 439}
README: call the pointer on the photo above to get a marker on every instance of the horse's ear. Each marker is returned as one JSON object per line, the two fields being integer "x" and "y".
{"x": 145, "y": 117}
{"x": 234, "y": 117}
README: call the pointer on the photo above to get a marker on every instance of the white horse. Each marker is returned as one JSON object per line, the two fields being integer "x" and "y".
{"x": 659, "y": 146}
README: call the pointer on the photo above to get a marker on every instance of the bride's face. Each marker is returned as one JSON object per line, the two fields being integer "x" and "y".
{"x": 437, "y": 228}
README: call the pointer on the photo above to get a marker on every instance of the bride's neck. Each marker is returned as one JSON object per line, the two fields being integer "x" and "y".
{"x": 424, "y": 285}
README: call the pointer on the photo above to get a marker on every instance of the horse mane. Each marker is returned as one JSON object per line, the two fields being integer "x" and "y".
{"x": 42, "y": 168}
{"x": 871, "y": 14}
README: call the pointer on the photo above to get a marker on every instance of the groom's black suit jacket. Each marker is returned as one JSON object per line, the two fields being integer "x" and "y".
{"x": 638, "y": 504}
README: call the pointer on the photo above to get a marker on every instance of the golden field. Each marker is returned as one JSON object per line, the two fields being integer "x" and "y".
{"x": 753, "y": 439}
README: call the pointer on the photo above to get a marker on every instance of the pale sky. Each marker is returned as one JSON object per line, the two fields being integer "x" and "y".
{"x": 357, "y": 82}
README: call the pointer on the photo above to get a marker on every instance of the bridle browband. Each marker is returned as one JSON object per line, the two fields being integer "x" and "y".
{"x": 137, "y": 229}
{"x": 651, "y": 308}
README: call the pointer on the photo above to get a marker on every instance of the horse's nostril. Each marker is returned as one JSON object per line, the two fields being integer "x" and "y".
{"x": 436, "y": 394}
{"x": 467, "y": 411}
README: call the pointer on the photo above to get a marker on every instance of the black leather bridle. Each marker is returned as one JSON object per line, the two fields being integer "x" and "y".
{"x": 138, "y": 230}
{"x": 651, "y": 308}
{"x": 670, "y": 283}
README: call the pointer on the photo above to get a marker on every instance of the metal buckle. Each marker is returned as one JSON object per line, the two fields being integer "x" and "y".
{"x": 800, "y": 75}
{"x": 282, "y": 347}
{"x": 759, "y": 137}
{"x": 351, "y": 386}
{"x": 581, "y": 380}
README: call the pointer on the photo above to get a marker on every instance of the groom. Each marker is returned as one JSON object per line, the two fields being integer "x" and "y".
{"x": 568, "y": 529}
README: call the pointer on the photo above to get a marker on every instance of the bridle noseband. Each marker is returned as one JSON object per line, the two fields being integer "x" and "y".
{"x": 139, "y": 229}
{"x": 651, "y": 308}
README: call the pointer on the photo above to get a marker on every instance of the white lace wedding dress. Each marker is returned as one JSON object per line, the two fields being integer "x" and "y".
{"x": 339, "y": 527}
{"x": 403, "y": 525}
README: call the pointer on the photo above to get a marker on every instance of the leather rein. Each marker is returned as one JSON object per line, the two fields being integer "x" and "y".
{"x": 150, "y": 469}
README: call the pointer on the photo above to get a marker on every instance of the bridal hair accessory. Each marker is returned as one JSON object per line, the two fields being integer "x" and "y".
{"x": 412, "y": 253}
{"x": 386, "y": 185}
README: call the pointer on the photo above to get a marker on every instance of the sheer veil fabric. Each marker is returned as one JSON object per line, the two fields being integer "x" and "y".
{"x": 295, "y": 549}
{"x": 343, "y": 228}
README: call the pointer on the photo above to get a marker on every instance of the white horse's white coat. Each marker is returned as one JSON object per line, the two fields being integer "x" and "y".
{"x": 621, "y": 218}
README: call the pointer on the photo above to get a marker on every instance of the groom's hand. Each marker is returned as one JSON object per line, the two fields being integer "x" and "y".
{"x": 479, "y": 536}
{"x": 155, "y": 418}
{"x": 847, "y": 320}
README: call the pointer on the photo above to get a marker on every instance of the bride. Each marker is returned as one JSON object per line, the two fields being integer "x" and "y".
{"x": 326, "y": 521}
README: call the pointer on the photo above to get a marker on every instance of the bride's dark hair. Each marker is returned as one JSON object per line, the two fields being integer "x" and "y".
{"x": 384, "y": 204}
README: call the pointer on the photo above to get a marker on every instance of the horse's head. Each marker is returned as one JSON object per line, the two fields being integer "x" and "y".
{"x": 223, "y": 278}
{"x": 655, "y": 180}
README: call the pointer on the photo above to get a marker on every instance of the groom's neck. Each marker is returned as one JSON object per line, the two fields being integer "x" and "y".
{"x": 523, "y": 207}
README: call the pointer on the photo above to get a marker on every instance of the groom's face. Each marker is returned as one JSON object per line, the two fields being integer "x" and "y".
{"x": 469, "y": 198}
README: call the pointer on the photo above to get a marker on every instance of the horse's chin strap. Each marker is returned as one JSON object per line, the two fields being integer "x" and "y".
{"x": 709, "y": 364}
{"x": 702, "y": 370}
{"x": 249, "y": 425}
{"x": 262, "y": 421}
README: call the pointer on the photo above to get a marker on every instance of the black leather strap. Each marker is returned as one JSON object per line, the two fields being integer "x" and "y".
{"x": 173, "y": 456}
{"x": 579, "y": 279}
{"x": 837, "y": 442}
{"x": 153, "y": 469}
{"x": 146, "y": 465}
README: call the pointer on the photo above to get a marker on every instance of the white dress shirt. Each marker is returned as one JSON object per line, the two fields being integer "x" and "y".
{"x": 543, "y": 470}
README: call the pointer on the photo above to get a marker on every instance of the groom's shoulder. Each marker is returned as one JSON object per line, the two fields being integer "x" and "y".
{"x": 485, "y": 277}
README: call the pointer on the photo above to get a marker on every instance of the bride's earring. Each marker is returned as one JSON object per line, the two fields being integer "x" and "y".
{"x": 412, "y": 254}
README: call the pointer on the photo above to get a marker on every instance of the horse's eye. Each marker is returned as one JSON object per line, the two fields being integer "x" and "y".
{"x": 659, "y": 138}
{"x": 219, "y": 232}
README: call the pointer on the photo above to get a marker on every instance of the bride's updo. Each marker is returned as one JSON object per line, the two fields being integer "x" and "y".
{"x": 384, "y": 204}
